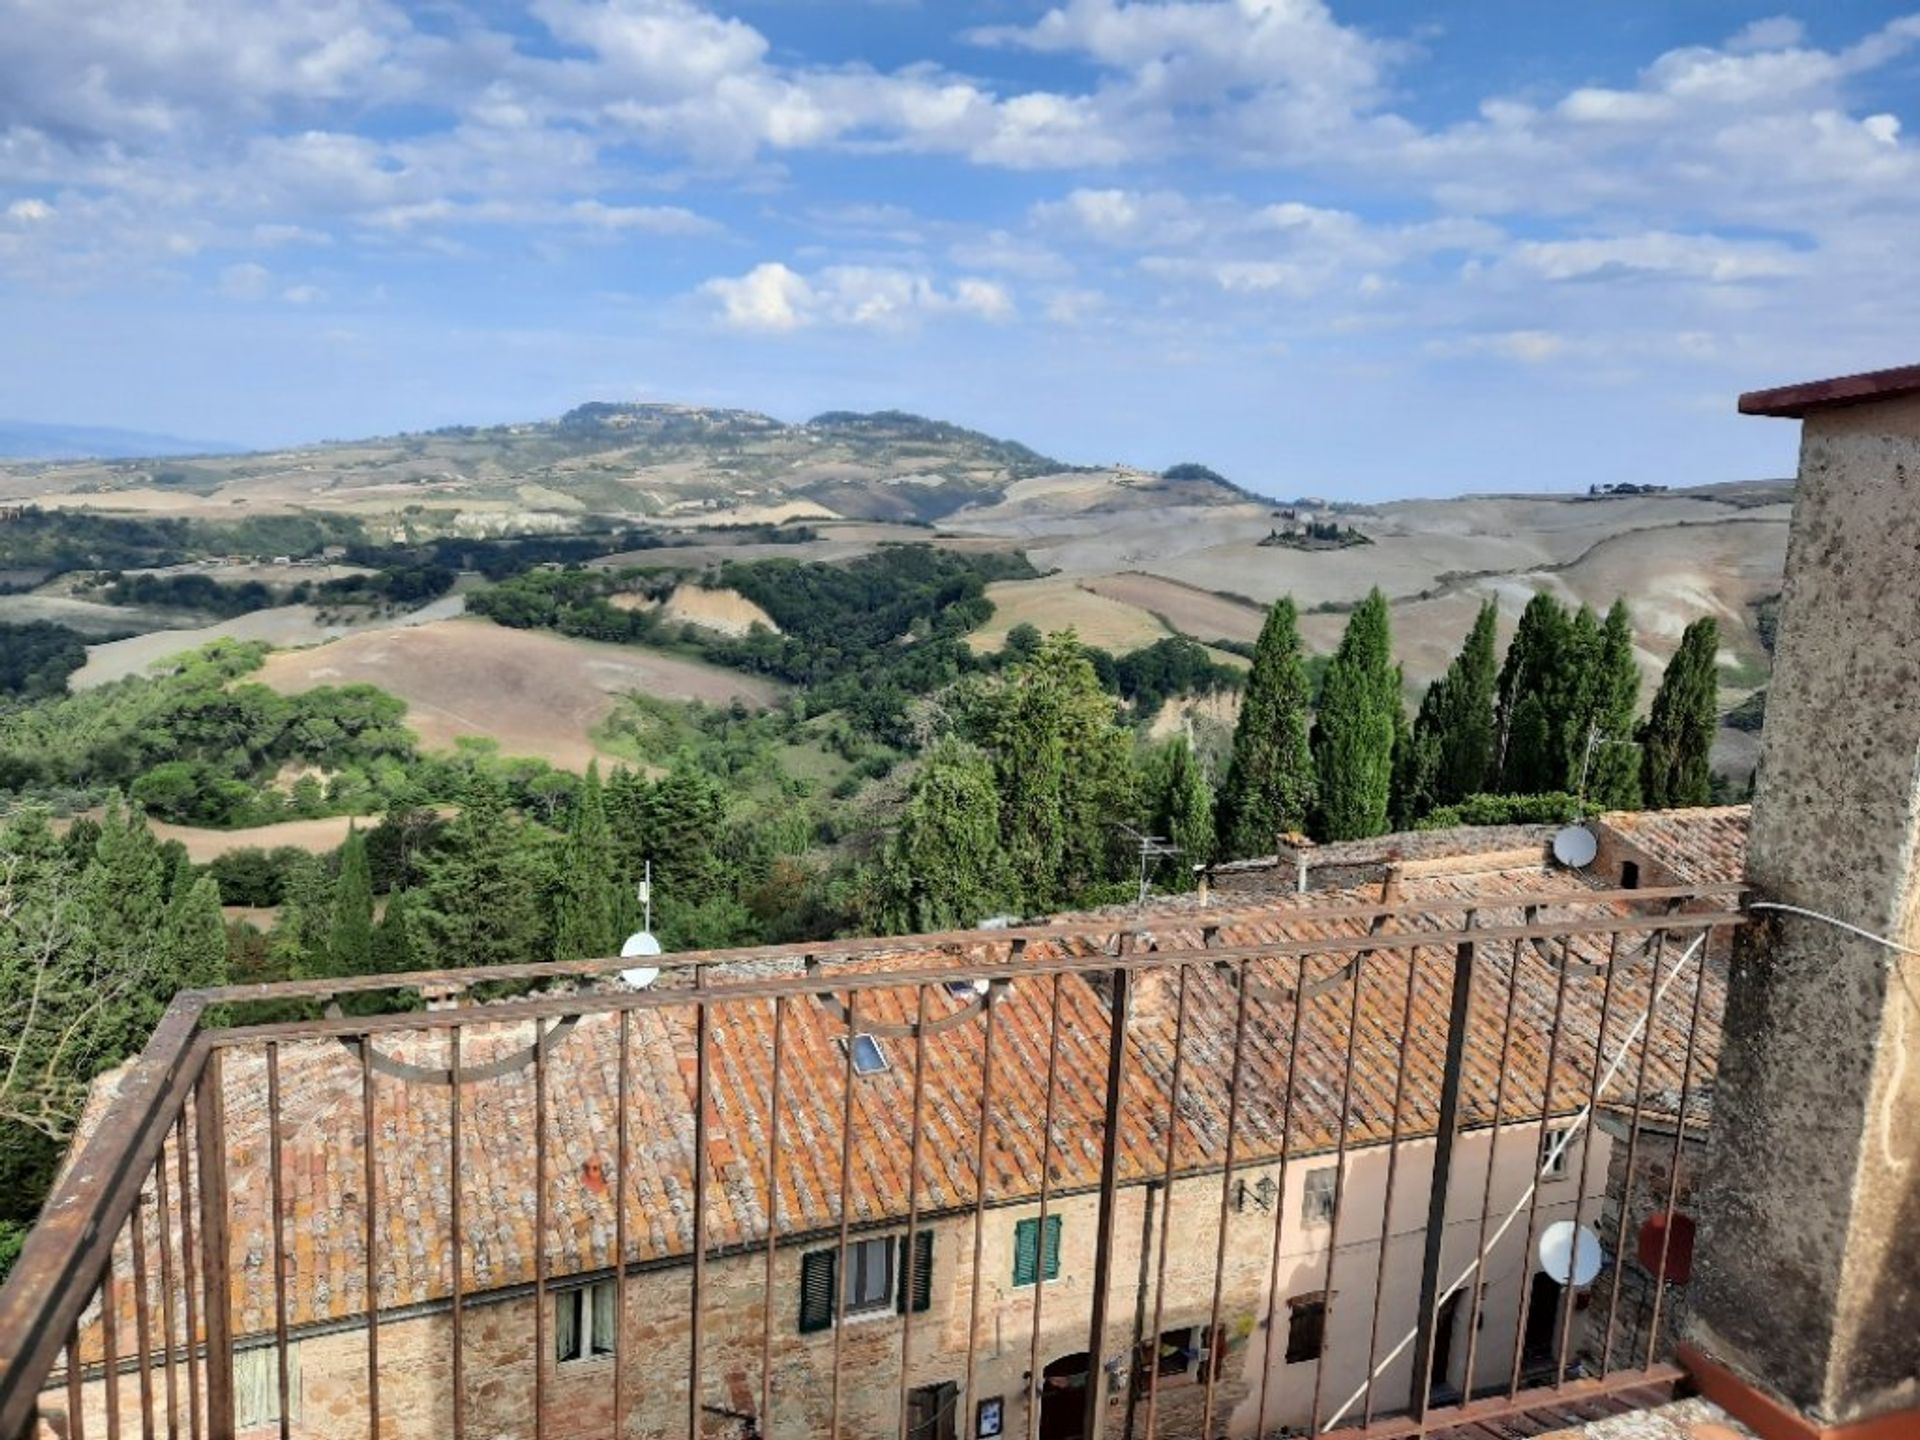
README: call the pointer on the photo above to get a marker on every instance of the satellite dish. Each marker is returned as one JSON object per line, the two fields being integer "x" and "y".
{"x": 1575, "y": 847}
{"x": 639, "y": 945}
{"x": 1570, "y": 1253}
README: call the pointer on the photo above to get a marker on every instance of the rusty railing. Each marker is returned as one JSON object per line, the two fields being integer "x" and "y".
{"x": 1187, "y": 1174}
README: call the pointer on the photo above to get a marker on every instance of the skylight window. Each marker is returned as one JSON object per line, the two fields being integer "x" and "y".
{"x": 868, "y": 1057}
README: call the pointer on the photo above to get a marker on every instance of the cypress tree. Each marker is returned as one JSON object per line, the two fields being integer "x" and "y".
{"x": 393, "y": 952}
{"x": 1179, "y": 805}
{"x": 1613, "y": 779}
{"x": 195, "y": 936}
{"x": 480, "y": 901}
{"x": 586, "y": 904}
{"x": 1677, "y": 739}
{"x": 1270, "y": 780}
{"x": 1355, "y": 727}
{"x": 350, "y": 939}
{"x": 1451, "y": 752}
{"x": 945, "y": 868}
{"x": 1534, "y": 681}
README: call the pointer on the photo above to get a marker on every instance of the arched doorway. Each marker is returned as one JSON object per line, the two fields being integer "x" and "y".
{"x": 1063, "y": 1398}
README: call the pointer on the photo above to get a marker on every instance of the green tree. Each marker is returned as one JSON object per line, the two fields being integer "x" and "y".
{"x": 1179, "y": 806}
{"x": 1466, "y": 721}
{"x": 1677, "y": 740}
{"x": 1063, "y": 767}
{"x": 393, "y": 951}
{"x": 482, "y": 899}
{"x": 1613, "y": 776}
{"x": 1355, "y": 727}
{"x": 194, "y": 936}
{"x": 350, "y": 936}
{"x": 299, "y": 943}
{"x": 586, "y": 903}
{"x": 1533, "y": 675}
{"x": 945, "y": 868}
{"x": 1269, "y": 789}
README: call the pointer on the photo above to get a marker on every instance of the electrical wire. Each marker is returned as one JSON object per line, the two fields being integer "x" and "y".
{"x": 1551, "y": 1159}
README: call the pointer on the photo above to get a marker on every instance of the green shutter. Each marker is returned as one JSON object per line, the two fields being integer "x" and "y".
{"x": 1053, "y": 1247}
{"x": 1025, "y": 1261}
{"x": 921, "y": 1271}
{"x": 816, "y": 1290}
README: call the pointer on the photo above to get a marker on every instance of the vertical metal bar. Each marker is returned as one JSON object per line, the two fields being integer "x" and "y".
{"x": 1587, "y": 1147}
{"x": 278, "y": 1180}
{"x": 187, "y": 1278}
{"x": 1214, "y": 1348}
{"x": 1633, "y": 1140}
{"x": 1046, "y": 1196}
{"x": 210, "y": 1136}
{"x": 1442, "y": 1140}
{"x": 1280, "y": 1194}
{"x": 910, "y": 1278}
{"x": 1339, "y": 1187}
{"x": 702, "y": 1086}
{"x": 369, "y": 1187}
{"x": 1539, "y": 1150}
{"x": 163, "y": 1207}
{"x": 984, "y": 1123}
{"x": 142, "y": 1322}
{"x": 540, "y": 1318}
{"x": 110, "y": 1342}
{"x": 1478, "y": 1276}
{"x": 1446, "y": 1132}
{"x": 76, "y": 1395}
{"x": 1679, "y": 1139}
{"x": 773, "y": 1215}
{"x": 620, "y": 1162}
{"x": 1166, "y": 1207}
{"x": 456, "y": 1171}
{"x": 846, "y": 1214}
{"x": 1096, "y": 1410}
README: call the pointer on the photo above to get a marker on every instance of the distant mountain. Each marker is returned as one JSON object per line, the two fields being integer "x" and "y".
{"x": 632, "y": 461}
{"x": 27, "y": 440}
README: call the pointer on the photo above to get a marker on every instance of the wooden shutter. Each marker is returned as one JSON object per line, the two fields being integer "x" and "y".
{"x": 921, "y": 1272}
{"x": 1052, "y": 1267}
{"x": 817, "y": 1269}
{"x": 1026, "y": 1259}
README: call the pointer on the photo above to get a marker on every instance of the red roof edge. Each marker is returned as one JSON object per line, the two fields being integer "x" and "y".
{"x": 1793, "y": 402}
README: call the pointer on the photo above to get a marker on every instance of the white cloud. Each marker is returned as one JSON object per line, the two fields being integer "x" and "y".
{"x": 30, "y": 211}
{"x": 303, "y": 294}
{"x": 773, "y": 298}
{"x": 1694, "y": 257}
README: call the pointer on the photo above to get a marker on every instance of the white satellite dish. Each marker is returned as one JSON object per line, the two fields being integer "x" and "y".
{"x": 1570, "y": 1253}
{"x": 639, "y": 945}
{"x": 1575, "y": 847}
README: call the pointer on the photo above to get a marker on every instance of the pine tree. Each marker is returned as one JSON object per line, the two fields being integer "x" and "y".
{"x": 393, "y": 952}
{"x": 1355, "y": 727}
{"x": 350, "y": 936}
{"x": 945, "y": 868}
{"x": 1179, "y": 806}
{"x": 1613, "y": 778}
{"x": 586, "y": 904}
{"x": 1270, "y": 780}
{"x": 1677, "y": 739}
{"x": 481, "y": 901}
{"x": 1063, "y": 767}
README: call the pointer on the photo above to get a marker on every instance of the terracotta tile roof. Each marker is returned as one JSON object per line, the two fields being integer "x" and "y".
{"x": 323, "y": 1140}
{"x": 1406, "y": 845}
{"x": 1703, "y": 846}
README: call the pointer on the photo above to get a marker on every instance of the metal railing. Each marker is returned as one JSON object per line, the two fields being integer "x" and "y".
{"x": 1059, "y": 1180}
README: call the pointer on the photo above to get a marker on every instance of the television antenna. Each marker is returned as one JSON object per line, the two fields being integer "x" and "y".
{"x": 641, "y": 945}
{"x": 1594, "y": 741}
{"x": 1151, "y": 848}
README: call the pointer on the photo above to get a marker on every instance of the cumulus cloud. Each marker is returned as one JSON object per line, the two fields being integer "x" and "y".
{"x": 1658, "y": 253}
{"x": 773, "y": 298}
{"x": 245, "y": 281}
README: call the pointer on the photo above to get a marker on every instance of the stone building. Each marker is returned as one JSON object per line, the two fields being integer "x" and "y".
{"x": 1269, "y": 1217}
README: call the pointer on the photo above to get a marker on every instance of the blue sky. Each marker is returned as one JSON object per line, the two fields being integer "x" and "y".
{"x": 1357, "y": 249}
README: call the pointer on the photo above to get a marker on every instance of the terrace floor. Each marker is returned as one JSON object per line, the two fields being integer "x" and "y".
{"x": 1650, "y": 1414}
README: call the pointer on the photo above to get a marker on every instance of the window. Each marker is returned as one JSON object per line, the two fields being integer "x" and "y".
{"x": 875, "y": 1283}
{"x": 1553, "y": 1166}
{"x": 1027, "y": 1260}
{"x": 1179, "y": 1350}
{"x": 1316, "y": 1205}
{"x": 930, "y": 1411}
{"x": 1629, "y": 875}
{"x": 869, "y": 1276}
{"x": 256, "y": 1386}
{"x": 1306, "y": 1327}
{"x": 868, "y": 1057}
{"x": 583, "y": 1321}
